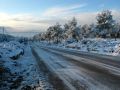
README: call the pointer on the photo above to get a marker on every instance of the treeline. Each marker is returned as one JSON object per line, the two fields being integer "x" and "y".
{"x": 105, "y": 27}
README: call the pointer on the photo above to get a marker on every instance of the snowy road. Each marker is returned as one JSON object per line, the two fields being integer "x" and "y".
{"x": 81, "y": 71}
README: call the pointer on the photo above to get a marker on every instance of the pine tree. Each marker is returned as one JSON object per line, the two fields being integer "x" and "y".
{"x": 72, "y": 30}
{"x": 105, "y": 22}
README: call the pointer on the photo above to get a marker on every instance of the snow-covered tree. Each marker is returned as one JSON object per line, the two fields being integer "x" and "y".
{"x": 92, "y": 30}
{"x": 48, "y": 34}
{"x": 105, "y": 22}
{"x": 115, "y": 33}
{"x": 57, "y": 33}
{"x": 72, "y": 30}
{"x": 85, "y": 30}
{"x": 54, "y": 33}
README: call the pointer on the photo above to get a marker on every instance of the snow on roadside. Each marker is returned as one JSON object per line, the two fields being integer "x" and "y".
{"x": 9, "y": 49}
{"x": 97, "y": 45}
{"x": 22, "y": 73}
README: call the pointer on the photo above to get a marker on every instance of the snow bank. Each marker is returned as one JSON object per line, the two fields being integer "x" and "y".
{"x": 11, "y": 49}
{"x": 21, "y": 74}
{"x": 97, "y": 45}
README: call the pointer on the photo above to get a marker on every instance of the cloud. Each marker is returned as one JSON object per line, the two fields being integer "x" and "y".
{"x": 31, "y": 22}
{"x": 19, "y": 22}
{"x": 55, "y": 11}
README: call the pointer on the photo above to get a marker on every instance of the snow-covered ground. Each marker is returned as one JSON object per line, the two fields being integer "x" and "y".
{"x": 98, "y": 45}
{"x": 75, "y": 74}
{"x": 10, "y": 49}
{"x": 21, "y": 73}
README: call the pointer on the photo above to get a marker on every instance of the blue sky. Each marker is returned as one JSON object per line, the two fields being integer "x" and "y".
{"x": 38, "y": 6}
{"x": 29, "y": 15}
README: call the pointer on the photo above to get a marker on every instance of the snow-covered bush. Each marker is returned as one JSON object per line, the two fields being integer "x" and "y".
{"x": 12, "y": 49}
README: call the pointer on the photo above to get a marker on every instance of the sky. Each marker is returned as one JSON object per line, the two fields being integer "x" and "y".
{"x": 38, "y": 15}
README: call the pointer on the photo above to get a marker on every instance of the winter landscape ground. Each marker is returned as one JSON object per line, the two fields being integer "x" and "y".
{"x": 59, "y": 45}
{"x": 44, "y": 66}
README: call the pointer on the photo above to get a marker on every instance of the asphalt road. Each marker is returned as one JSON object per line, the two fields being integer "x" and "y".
{"x": 106, "y": 59}
{"x": 82, "y": 71}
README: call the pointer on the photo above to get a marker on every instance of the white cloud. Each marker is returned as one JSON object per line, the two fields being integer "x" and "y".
{"x": 55, "y": 11}
{"x": 21, "y": 22}
{"x": 27, "y": 22}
